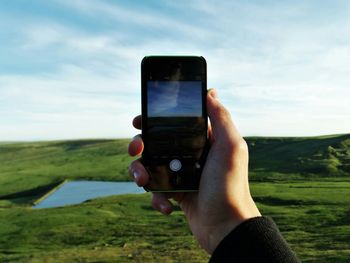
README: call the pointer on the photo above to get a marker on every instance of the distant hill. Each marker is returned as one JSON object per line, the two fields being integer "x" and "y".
{"x": 25, "y": 166}
{"x": 317, "y": 156}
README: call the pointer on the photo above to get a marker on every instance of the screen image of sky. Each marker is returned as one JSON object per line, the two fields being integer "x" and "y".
{"x": 71, "y": 69}
{"x": 174, "y": 98}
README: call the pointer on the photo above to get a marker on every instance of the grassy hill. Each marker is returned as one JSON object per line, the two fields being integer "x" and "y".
{"x": 26, "y": 166}
{"x": 314, "y": 217}
{"x": 307, "y": 156}
{"x": 303, "y": 183}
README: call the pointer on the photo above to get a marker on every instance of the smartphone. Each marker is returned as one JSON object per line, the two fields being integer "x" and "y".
{"x": 174, "y": 121}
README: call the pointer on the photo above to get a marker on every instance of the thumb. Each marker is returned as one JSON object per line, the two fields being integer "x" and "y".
{"x": 222, "y": 125}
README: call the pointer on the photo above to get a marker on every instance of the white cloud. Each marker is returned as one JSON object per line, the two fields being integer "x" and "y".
{"x": 281, "y": 68}
{"x": 143, "y": 17}
{"x": 66, "y": 106}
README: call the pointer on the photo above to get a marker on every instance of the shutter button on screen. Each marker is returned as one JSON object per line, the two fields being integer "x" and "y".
{"x": 175, "y": 165}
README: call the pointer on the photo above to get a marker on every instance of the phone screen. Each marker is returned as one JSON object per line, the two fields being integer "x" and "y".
{"x": 174, "y": 124}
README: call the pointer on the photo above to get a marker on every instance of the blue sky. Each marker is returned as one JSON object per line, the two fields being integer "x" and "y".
{"x": 71, "y": 69}
{"x": 174, "y": 98}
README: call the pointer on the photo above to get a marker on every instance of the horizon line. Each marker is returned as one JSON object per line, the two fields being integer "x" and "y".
{"x": 125, "y": 138}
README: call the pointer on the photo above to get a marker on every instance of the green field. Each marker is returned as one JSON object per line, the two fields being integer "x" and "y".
{"x": 303, "y": 183}
{"x": 26, "y": 166}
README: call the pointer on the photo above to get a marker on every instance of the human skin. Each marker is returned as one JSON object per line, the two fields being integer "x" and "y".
{"x": 223, "y": 200}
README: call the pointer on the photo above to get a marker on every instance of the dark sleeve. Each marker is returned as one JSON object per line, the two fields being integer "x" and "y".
{"x": 255, "y": 240}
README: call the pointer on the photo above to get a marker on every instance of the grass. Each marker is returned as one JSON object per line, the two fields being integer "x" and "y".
{"x": 118, "y": 229}
{"x": 303, "y": 157}
{"x": 312, "y": 209}
{"x": 26, "y": 166}
{"x": 313, "y": 216}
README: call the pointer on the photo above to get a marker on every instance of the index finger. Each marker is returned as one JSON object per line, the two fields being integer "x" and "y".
{"x": 136, "y": 122}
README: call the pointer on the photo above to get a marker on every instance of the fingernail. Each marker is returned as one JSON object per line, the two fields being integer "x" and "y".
{"x": 213, "y": 93}
{"x": 136, "y": 175}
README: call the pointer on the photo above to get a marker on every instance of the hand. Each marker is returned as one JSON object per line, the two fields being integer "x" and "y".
{"x": 223, "y": 200}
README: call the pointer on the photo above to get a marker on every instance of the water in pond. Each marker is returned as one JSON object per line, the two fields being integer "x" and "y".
{"x": 75, "y": 192}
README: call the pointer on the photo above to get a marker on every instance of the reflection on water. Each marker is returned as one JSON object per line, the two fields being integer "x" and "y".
{"x": 75, "y": 192}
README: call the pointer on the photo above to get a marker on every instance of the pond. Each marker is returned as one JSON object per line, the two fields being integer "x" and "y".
{"x": 75, "y": 192}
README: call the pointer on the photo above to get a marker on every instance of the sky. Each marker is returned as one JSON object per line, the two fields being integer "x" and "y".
{"x": 71, "y": 69}
{"x": 174, "y": 99}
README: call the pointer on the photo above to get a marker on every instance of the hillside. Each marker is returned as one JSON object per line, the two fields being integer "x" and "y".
{"x": 312, "y": 212}
{"x": 311, "y": 156}
{"x": 312, "y": 216}
{"x": 25, "y": 166}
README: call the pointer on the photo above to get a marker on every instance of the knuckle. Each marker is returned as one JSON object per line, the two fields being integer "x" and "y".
{"x": 223, "y": 113}
{"x": 242, "y": 149}
{"x": 133, "y": 164}
{"x": 242, "y": 146}
{"x": 238, "y": 147}
{"x": 219, "y": 111}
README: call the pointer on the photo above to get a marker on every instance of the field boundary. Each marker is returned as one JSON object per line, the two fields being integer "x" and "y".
{"x": 32, "y": 192}
{"x": 50, "y": 192}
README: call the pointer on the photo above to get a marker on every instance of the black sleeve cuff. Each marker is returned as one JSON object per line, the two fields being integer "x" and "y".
{"x": 255, "y": 240}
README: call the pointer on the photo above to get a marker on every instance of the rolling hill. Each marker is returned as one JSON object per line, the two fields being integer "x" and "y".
{"x": 302, "y": 183}
{"x": 305, "y": 156}
{"x": 25, "y": 166}
{"x": 31, "y": 165}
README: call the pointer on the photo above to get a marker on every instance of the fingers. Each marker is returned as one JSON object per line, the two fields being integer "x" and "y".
{"x": 138, "y": 172}
{"x": 136, "y": 122}
{"x": 161, "y": 203}
{"x": 136, "y": 146}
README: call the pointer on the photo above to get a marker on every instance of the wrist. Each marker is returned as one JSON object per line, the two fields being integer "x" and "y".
{"x": 218, "y": 233}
